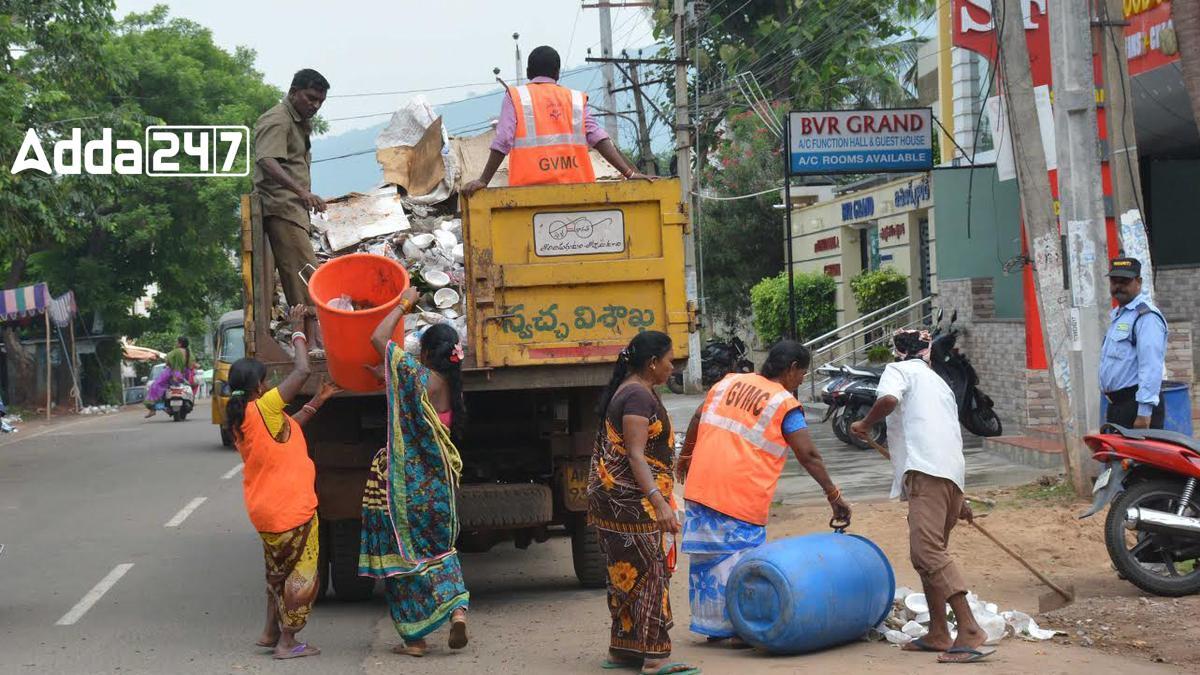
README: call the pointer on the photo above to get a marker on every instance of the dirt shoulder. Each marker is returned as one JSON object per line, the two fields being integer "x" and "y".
{"x": 528, "y": 616}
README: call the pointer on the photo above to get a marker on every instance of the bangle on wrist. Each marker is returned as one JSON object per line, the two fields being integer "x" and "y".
{"x": 655, "y": 491}
{"x": 299, "y": 335}
{"x": 628, "y": 172}
{"x": 309, "y": 408}
{"x": 835, "y": 495}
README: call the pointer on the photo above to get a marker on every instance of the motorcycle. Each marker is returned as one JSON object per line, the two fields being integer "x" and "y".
{"x": 1152, "y": 531}
{"x": 179, "y": 400}
{"x": 976, "y": 410}
{"x": 717, "y": 359}
{"x": 834, "y": 399}
{"x": 859, "y": 396}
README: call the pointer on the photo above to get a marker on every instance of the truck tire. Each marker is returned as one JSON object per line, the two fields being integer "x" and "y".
{"x": 590, "y": 565}
{"x": 504, "y": 506}
{"x": 343, "y": 562}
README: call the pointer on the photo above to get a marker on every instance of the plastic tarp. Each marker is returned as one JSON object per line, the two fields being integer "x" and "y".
{"x": 24, "y": 302}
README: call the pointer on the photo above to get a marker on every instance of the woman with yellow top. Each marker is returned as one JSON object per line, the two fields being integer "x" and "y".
{"x": 280, "y": 488}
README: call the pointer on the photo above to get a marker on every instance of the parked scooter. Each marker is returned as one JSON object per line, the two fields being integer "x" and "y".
{"x": 1153, "y": 527}
{"x": 975, "y": 409}
{"x": 717, "y": 359}
{"x": 849, "y": 396}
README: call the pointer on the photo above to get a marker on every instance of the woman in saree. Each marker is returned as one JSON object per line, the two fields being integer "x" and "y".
{"x": 279, "y": 487}
{"x": 410, "y": 522}
{"x": 631, "y": 504}
{"x": 179, "y": 369}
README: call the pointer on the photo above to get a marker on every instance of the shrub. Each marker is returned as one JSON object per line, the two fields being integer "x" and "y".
{"x": 877, "y": 289}
{"x": 816, "y": 306}
{"x": 879, "y": 354}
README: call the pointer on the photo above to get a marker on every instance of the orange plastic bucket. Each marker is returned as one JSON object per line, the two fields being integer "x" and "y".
{"x": 372, "y": 280}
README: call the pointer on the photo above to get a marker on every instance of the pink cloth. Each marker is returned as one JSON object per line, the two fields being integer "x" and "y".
{"x": 446, "y": 418}
{"x": 506, "y": 128}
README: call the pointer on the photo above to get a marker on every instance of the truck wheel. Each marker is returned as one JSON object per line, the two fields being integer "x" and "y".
{"x": 343, "y": 562}
{"x": 590, "y": 565}
{"x": 504, "y": 506}
{"x": 226, "y": 437}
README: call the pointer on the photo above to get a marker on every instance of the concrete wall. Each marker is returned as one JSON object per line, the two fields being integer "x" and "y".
{"x": 1177, "y": 293}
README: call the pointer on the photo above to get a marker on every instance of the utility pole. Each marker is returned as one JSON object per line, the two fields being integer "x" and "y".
{"x": 645, "y": 154}
{"x": 683, "y": 154}
{"x": 1118, "y": 106}
{"x": 606, "y": 51}
{"x": 1081, "y": 214}
{"x": 516, "y": 59}
{"x": 1041, "y": 224}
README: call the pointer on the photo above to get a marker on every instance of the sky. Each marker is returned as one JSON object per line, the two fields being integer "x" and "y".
{"x": 366, "y": 46}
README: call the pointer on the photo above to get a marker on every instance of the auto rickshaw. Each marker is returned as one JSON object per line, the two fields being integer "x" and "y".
{"x": 230, "y": 346}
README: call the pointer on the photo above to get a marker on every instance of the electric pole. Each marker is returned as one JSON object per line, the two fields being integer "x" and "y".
{"x": 683, "y": 154}
{"x": 645, "y": 154}
{"x": 1041, "y": 225}
{"x": 606, "y": 51}
{"x": 1118, "y": 107}
{"x": 1081, "y": 198}
{"x": 516, "y": 59}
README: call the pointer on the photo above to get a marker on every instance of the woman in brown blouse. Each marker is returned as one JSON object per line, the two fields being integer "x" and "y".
{"x": 631, "y": 504}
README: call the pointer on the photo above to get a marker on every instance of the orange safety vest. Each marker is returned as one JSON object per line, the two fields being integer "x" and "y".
{"x": 550, "y": 145}
{"x": 740, "y": 450}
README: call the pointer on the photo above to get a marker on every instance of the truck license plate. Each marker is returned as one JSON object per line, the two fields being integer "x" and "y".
{"x": 1102, "y": 480}
{"x": 575, "y": 488}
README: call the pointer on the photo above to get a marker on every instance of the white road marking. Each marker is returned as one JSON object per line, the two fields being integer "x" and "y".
{"x": 232, "y": 472}
{"x": 93, "y": 596}
{"x": 186, "y": 511}
{"x": 122, "y": 430}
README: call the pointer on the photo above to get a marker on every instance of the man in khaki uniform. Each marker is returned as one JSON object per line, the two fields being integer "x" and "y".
{"x": 283, "y": 182}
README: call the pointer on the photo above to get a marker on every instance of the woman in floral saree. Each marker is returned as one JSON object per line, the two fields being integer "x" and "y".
{"x": 409, "y": 519}
{"x": 630, "y": 503}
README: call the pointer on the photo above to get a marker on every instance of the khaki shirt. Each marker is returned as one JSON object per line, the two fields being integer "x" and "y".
{"x": 282, "y": 134}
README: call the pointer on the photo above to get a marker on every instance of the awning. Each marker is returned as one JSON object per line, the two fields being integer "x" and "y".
{"x": 136, "y": 353}
{"x": 23, "y": 302}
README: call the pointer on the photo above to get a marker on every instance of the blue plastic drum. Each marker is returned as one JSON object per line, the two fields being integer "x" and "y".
{"x": 1177, "y": 404}
{"x": 812, "y": 592}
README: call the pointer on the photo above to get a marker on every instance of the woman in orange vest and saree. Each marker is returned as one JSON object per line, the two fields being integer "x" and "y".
{"x": 735, "y": 449}
{"x": 630, "y": 503}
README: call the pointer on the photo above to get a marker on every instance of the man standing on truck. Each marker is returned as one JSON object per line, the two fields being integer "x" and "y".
{"x": 548, "y": 142}
{"x": 282, "y": 180}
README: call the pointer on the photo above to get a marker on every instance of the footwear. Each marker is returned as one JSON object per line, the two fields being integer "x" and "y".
{"x": 609, "y": 664}
{"x": 673, "y": 669}
{"x": 458, "y": 634}
{"x": 409, "y": 650}
{"x": 967, "y": 654}
{"x": 919, "y": 645}
{"x": 301, "y": 649}
{"x": 266, "y": 645}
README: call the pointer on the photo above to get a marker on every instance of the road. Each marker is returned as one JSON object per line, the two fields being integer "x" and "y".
{"x": 127, "y": 550}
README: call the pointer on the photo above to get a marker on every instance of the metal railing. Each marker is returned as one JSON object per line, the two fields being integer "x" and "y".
{"x": 847, "y": 350}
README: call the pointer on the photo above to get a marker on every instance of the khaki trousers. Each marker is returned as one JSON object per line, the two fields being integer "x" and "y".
{"x": 933, "y": 507}
{"x": 293, "y": 251}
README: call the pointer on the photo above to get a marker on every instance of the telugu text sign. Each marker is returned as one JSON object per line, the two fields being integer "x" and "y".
{"x": 579, "y": 232}
{"x": 860, "y": 141}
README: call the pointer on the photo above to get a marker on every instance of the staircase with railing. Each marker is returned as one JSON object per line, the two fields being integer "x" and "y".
{"x": 850, "y": 344}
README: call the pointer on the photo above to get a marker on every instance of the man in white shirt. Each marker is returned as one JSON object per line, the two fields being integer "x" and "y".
{"x": 926, "y": 452}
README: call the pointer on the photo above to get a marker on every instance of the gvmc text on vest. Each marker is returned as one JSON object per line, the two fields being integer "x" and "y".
{"x": 747, "y": 397}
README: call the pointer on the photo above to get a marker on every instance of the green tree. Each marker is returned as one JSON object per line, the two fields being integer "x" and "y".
{"x": 816, "y": 306}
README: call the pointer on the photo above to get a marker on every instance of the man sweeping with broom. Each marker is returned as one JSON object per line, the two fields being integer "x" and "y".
{"x": 927, "y": 456}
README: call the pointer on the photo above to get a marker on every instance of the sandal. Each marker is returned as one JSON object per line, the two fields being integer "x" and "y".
{"x": 458, "y": 634}
{"x": 300, "y": 650}
{"x": 969, "y": 654}
{"x": 409, "y": 650}
{"x": 673, "y": 669}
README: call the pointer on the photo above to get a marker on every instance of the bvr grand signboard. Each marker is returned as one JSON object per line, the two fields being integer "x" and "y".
{"x": 860, "y": 141}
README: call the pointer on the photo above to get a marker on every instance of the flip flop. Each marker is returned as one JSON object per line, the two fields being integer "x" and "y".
{"x": 674, "y": 669}
{"x": 299, "y": 651}
{"x": 919, "y": 645}
{"x": 458, "y": 634}
{"x": 972, "y": 654}
{"x": 609, "y": 664}
{"x": 406, "y": 650}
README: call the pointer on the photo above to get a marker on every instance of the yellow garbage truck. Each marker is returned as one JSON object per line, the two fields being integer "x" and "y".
{"x": 557, "y": 280}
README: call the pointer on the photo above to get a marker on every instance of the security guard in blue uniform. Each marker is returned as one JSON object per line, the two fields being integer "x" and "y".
{"x": 1134, "y": 351}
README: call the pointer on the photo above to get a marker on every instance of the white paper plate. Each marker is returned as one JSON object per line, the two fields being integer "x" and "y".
{"x": 445, "y": 298}
{"x": 437, "y": 278}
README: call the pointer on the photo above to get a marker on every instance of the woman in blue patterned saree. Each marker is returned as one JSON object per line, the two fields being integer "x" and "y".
{"x": 409, "y": 518}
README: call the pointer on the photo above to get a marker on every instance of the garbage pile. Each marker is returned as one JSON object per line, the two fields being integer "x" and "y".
{"x": 99, "y": 410}
{"x": 7, "y": 422}
{"x": 909, "y": 620}
{"x": 412, "y": 218}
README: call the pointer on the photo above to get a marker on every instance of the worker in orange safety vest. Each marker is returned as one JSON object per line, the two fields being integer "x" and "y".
{"x": 545, "y": 130}
{"x": 733, "y": 454}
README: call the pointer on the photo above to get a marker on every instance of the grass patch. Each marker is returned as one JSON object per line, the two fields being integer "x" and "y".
{"x": 1045, "y": 490}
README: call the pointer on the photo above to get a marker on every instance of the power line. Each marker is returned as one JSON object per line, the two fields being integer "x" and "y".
{"x": 412, "y": 91}
{"x": 731, "y": 199}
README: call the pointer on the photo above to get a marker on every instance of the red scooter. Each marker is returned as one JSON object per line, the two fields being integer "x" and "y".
{"x": 1153, "y": 527}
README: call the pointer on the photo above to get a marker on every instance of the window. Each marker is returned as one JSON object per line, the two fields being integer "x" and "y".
{"x": 233, "y": 344}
